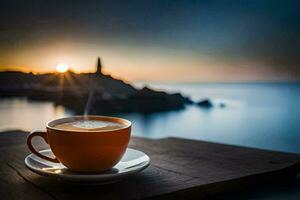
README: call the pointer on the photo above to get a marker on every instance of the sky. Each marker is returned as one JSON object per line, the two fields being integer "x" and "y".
{"x": 155, "y": 40}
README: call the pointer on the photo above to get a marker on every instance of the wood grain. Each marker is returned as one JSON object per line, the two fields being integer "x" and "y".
{"x": 180, "y": 168}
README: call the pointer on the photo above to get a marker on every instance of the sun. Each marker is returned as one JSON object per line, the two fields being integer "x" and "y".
{"x": 62, "y": 67}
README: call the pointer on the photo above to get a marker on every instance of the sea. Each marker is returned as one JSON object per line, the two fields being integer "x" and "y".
{"x": 259, "y": 115}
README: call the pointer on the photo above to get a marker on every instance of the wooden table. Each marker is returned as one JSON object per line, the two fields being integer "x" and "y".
{"x": 185, "y": 169}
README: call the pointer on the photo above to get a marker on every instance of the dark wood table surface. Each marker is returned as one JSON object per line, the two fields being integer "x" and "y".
{"x": 180, "y": 168}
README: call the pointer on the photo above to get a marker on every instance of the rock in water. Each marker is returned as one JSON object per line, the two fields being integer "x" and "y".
{"x": 222, "y": 105}
{"x": 206, "y": 103}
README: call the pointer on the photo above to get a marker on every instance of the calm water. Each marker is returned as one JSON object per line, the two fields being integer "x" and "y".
{"x": 257, "y": 115}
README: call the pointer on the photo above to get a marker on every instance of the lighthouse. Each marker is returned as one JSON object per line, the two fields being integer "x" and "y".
{"x": 99, "y": 66}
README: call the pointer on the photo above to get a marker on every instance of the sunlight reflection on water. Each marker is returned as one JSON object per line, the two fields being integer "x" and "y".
{"x": 19, "y": 113}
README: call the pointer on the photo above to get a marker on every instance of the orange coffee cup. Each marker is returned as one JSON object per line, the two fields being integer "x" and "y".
{"x": 86, "y": 151}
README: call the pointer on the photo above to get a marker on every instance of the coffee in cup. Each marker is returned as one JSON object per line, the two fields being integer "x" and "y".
{"x": 89, "y": 125}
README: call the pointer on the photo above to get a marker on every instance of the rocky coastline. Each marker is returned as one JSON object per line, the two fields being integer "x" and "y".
{"x": 91, "y": 93}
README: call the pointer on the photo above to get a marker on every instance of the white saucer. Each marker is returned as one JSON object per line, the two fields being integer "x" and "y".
{"x": 132, "y": 162}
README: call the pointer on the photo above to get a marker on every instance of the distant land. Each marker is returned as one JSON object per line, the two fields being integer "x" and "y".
{"x": 89, "y": 93}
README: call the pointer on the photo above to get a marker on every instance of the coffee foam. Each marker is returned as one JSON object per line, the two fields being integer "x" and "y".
{"x": 93, "y": 124}
{"x": 89, "y": 125}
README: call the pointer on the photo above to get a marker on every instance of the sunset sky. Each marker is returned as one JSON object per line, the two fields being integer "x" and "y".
{"x": 155, "y": 40}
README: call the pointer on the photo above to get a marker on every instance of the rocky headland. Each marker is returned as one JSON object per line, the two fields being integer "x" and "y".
{"x": 91, "y": 93}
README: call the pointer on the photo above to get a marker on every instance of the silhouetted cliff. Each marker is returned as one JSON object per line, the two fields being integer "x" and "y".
{"x": 88, "y": 92}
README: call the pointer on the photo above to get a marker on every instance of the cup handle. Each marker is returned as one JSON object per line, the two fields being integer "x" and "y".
{"x": 33, "y": 150}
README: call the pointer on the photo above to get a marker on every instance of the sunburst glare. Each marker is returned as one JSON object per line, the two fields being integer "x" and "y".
{"x": 62, "y": 67}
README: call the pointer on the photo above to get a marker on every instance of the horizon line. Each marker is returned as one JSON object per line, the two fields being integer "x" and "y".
{"x": 164, "y": 82}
